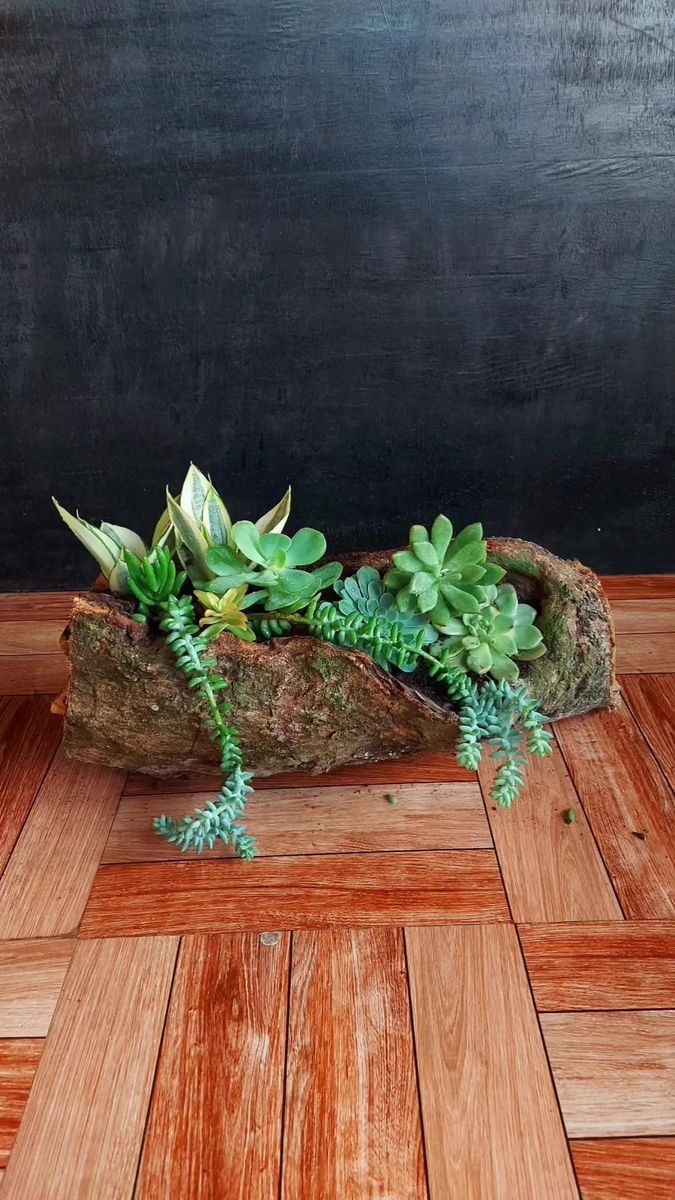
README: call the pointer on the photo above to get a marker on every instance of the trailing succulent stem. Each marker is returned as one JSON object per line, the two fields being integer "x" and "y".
{"x": 155, "y": 584}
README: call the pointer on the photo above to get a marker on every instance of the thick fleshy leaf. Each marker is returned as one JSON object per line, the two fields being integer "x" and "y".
{"x": 396, "y": 579}
{"x": 274, "y": 547}
{"x": 421, "y": 582}
{"x": 126, "y": 538}
{"x": 426, "y": 554}
{"x": 307, "y": 546}
{"x": 479, "y": 660}
{"x": 460, "y": 600}
{"x": 444, "y": 621}
{"x": 462, "y": 556}
{"x": 530, "y": 655}
{"x": 222, "y": 559}
{"x": 274, "y": 520}
{"x": 417, "y": 533}
{"x": 473, "y": 573}
{"x": 428, "y": 599}
{"x": 407, "y": 562}
{"x": 247, "y": 539}
{"x": 191, "y": 544}
{"x": 504, "y": 643}
{"x": 194, "y": 492}
{"x": 405, "y": 601}
{"x": 100, "y": 545}
{"x": 216, "y": 519}
{"x": 528, "y": 637}
{"x": 441, "y": 535}
{"x": 492, "y": 573}
{"x": 525, "y": 614}
{"x": 233, "y": 579}
{"x": 504, "y": 668}
{"x": 507, "y": 600}
{"x": 470, "y": 533}
{"x": 327, "y": 575}
{"x": 502, "y": 623}
{"x": 118, "y": 579}
{"x": 471, "y": 643}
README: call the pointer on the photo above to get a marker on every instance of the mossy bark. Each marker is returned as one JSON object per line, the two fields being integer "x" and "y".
{"x": 303, "y": 704}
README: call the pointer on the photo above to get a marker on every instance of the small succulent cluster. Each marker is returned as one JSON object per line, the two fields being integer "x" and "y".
{"x": 442, "y": 605}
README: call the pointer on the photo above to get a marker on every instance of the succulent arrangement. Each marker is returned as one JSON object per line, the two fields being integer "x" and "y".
{"x": 442, "y": 606}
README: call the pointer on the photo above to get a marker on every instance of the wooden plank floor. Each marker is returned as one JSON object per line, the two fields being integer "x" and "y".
{"x": 419, "y": 1001}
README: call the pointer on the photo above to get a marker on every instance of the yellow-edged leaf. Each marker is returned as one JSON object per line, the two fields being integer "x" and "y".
{"x": 99, "y": 544}
{"x": 274, "y": 520}
{"x": 194, "y": 492}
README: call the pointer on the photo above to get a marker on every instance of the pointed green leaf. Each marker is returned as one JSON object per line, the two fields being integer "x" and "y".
{"x": 421, "y": 582}
{"x": 428, "y": 599}
{"x": 118, "y": 579}
{"x": 528, "y": 637}
{"x": 525, "y": 614}
{"x": 216, "y": 519}
{"x": 504, "y": 643}
{"x": 125, "y": 538}
{"x": 191, "y": 543}
{"x": 441, "y": 535}
{"x": 307, "y": 546}
{"x": 507, "y": 600}
{"x": 274, "y": 520}
{"x": 417, "y": 534}
{"x": 395, "y": 579}
{"x": 426, "y": 554}
{"x": 162, "y": 528}
{"x": 470, "y": 533}
{"x": 492, "y": 573}
{"x": 194, "y": 492}
{"x": 406, "y": 561}
{"x": 472, "y": 553}
{"x": 479, "y": 660}
{"x": 459, "y": 600}
{"x": 504, "y": 668}
{"x": 100, "y": 545}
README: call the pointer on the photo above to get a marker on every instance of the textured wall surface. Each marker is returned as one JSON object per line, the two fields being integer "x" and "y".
{"x": 406, "y": 254}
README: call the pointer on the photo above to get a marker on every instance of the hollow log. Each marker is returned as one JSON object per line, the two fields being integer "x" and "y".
{"x": 299, "y": 703}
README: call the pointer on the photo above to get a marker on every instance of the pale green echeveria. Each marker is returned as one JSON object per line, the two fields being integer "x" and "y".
{"x": 198, "y": 520}
{"x": 364, "y": 593}
{"x": 488, "y": 642}
{"x": 443, "y": 575}
{"x": 107, "y": 545}
{"x": 273, "y": 564}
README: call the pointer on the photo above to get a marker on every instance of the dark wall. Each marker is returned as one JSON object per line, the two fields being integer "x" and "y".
{"x": 409, "y": 256}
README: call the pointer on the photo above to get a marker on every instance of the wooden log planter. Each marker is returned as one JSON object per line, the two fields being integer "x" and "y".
{"x": 305, "y": 704}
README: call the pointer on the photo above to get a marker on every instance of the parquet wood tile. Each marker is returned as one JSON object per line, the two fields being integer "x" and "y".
{"x": 625, "y": 1168}
{"x": 614, "y": 1071}
{"x": 639, "y": 587}
{"x": 320, "y": 820}
{"x": 644, "y": 616}
{"x": 36, "y": 606}
{"x": 31, "y": 978}
{"x": 215, "y": 1123}
{"x": 352, "y": 1128}
{"x": 29, "y": 736}
{"x": 651, "y": 700}
{"x": 629, "y": 964}
{"x": 642, "y": 653}
{"x": 19, "y": 1058}
{"x": 45, "y": 885}
{"x": 32, "y": 674}
{"x": 30, "y": 637}
{"x": 346, "y": 890}
{"x": 491, "y": 1123}
{"x": 630, "y": 808}
{"x": 552, "y": 871}
{"x": 81, "y": 1132}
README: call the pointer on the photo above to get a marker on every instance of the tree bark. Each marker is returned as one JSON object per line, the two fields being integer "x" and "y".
{"x": 299, "y": 703}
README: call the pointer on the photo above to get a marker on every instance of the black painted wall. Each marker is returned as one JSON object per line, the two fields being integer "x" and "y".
{"x": 408, "y": 255}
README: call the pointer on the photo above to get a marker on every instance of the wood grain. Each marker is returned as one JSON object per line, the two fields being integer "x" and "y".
{"x": 552, "y": 871}
{"x": 36, "y": 606}
{"x": 625, "y": 1169}
{"x": 639, "y": 587}
{"x": 638, "y": 653}
{"x": 629, "y": 964}
{"x": 31, "y": 978}
{"x": 629, "y": 806}
{"x": 491, "y": 1123}
{"x": 352, "y": 1118}
{"x": 82, "y": 1129}
{"x": 644, "y": 616}
{"x": 651, "y": 699}
{"x": 422, "y": 768}
{"x": 19, "y": 1058}
{"x": 30, "y": 637}
{"x": 47, "y": 880}
{"x": 33, "y": 674}
{"x": 29, "y": 735}
{"x": 614, "y": 1071}
{"x": 218, "y": 1095}
{"x": 295, "y": 893}
{"x": 319, "y": 820}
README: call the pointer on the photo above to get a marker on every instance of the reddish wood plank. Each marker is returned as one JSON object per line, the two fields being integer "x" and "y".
{"x": 641, "y": 653}
{"x": 434, "y": 816}
{"x": 82, "y": 1130}
{"x": 639, "y": 587}
{"x": 602, "y": 966}
{"x": 625, "y": 1169}
{"x": 552, "y": 871}
{"x": 29, "y": 735}
{"x": 423, "y": 768}
{"x": 30, "y": 637}
{"x": 352, "y": 1118}
{"x": 31, "y": 978}
{"x": 630, "y": 808}
{"x": 45, "y": 885}
{"x": 295, "y": 893}
{"x": 33, "y": 674}
{"x": 644, "y": 616}
{"x": 19, "y": 1058}
{"x": 651, "y": 699}
{"x": 491, "y": 1123}
{"x": 218, "y": 1094}
{"x": 614, "y": 1071}
{"x": 36, "y": 606}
